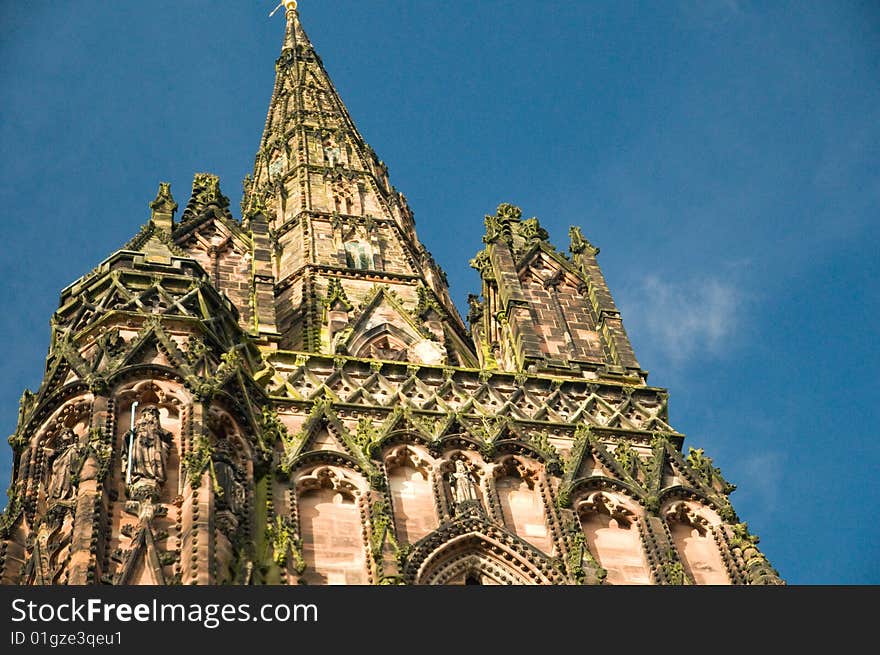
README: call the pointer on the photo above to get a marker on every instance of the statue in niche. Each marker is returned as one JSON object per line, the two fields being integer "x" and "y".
{"x": 150, "y": 444}
{"x": 332, "y": 154}
{"x": 63, "y": 460}
{"x": 232, "y": 494}
{"x": 464, "y": 489}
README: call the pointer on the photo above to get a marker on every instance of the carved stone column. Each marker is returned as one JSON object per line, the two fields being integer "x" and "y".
{"x": 197, "y": 524}
{"x": 92, "y": 504}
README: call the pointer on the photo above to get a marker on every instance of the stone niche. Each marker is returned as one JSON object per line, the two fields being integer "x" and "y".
{"x": 691, "y": 526}
{"x": 331, "y": 510}
{"x": 410, "y": 482}
{"x": 609, "y": 525}
{"x": 145, "y": 510}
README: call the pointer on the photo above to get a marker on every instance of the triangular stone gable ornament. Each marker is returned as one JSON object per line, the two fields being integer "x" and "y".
{"x": 590, "y": 466}
{"x": 384, "y": 330}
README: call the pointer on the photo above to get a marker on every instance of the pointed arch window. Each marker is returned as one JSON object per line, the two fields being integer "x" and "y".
{"x": 358, "y": 255}
{"x": 522, "y": 508}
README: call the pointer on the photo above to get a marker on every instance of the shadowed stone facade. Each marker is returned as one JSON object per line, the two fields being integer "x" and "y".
{"x": 293, "y": 398}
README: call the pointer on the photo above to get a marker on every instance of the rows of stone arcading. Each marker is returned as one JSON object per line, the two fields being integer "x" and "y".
{"x": 32, "y": 469}
{"x": 311, "y": 461}
{"x": 561, "y": 404}
{"x": 658, "y": 547}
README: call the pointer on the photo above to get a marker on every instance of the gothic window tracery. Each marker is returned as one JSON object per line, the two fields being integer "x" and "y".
{"x": 522, "y": 508}
{"x": 412, "y": 497}
{"x": 330, "y": 521}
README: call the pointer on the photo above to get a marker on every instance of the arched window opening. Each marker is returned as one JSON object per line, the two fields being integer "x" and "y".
{"x": 412, "y": 497}
{"x": 330, "y": 526}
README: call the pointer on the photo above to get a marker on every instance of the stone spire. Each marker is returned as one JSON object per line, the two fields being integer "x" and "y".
{"x": 304, "y": 104}
{"x": 341, "y": 229}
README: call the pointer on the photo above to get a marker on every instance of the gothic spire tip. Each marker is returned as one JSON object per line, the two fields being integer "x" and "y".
{"x": 289, "y": 5}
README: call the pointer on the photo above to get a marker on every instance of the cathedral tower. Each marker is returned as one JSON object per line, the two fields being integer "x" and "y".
{"x": 291, "y": 397}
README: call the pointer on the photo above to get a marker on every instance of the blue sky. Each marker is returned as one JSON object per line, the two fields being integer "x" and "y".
{"x": 722, "y": 153}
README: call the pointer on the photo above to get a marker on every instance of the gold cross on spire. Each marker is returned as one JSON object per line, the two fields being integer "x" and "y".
{"x": 289, "y": 5}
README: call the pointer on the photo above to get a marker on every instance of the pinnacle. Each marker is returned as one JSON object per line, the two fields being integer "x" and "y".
{"x": 205, "y": 193}
{"x": 163, "y": 208}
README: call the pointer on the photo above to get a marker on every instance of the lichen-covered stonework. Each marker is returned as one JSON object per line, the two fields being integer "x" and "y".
{"x": 292, "y": 398}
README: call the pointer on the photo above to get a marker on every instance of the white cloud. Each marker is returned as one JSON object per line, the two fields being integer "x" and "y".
{"x": 683, "y": 320}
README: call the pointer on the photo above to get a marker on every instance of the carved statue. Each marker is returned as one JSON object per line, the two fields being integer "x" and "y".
{"x": 475, "y": 308}
{"x": 232, "y": 494}
{"x": 149, "y": 448}
{"x": 333, "y": 155}
{"x": 63, "y": 459}
{"x": 463, "y": 487}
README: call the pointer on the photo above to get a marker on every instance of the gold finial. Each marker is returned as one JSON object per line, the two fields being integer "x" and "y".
{"x": 289, "y": 5}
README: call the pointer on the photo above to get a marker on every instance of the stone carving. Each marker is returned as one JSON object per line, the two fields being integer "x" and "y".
{"x": 475, "y": 309}
{"x": 544, "y": 377}
{"x": 532, "y": 231}
{"x": 150, "y": 444}
{"x": 60, "y": 489}
{"x": 232, "y": 494}
{"x": 579, "y": 242}
{"x": 464, "y": 489}
{"x": 164, "y": 201}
